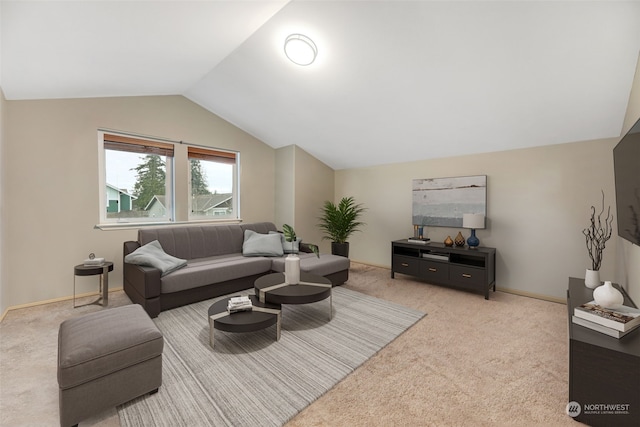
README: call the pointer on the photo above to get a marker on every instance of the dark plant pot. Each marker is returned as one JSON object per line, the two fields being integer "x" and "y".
{"x": 341, "y": 249}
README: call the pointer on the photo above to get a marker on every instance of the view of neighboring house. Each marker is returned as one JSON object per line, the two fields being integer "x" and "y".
{"x": 118, "y": 200}
{"x": 201, "y": 205}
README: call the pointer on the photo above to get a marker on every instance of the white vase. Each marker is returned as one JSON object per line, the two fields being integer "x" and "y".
{"x": 292, "y": 269}
{"x": 607, "y": 296}
{"x": 592, "y": 279}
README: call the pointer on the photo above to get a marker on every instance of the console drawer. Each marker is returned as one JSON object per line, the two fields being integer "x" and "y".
{"x": 436, "y": 272}
{"x": 467, "y": 277}
{"x": 406, "y": 265}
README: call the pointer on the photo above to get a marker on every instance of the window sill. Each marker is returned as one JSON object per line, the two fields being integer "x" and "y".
{"x": 130, "y": 225}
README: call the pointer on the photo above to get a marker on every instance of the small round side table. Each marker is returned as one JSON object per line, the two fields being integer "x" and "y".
{"x": 93, "y": 270}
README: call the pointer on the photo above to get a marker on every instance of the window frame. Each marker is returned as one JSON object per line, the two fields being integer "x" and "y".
{"x": 197, "y": 152}
{"x": 178, "y": 165}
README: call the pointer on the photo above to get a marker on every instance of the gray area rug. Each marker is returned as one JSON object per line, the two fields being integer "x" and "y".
{"x": 249, "y": 379}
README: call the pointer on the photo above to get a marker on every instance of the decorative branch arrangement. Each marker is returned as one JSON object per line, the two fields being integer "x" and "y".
{"x": 597, "y": 234}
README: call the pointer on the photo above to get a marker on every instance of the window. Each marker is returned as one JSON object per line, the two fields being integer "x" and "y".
{"x": 211, "y": 183}
{"x": 137, "y": 181}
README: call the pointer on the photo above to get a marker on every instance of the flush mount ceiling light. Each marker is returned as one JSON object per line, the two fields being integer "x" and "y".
{"x": 300, "y": 49}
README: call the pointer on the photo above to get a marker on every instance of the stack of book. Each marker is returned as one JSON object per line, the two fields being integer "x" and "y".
{"x": 424, "y": 240}
{"x": 93, "y": 262}
{"x": 616, "y": 323}
{"x": 237, "y": 304}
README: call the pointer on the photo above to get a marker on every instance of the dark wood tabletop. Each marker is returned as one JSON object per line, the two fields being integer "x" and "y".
{"x": 243, "y": 321}
{"x": 312, "y": 288}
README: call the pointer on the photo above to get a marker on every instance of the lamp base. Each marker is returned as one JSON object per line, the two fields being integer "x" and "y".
{"x": 473, "y": 241}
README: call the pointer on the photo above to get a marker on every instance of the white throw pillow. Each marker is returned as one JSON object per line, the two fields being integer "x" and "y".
{"x": 286, "y": 246}
{"x": 257, "y": 244}
{"x": 152, "y": 255}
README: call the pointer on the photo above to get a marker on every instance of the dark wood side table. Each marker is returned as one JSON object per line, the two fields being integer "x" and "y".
{"x": 261, "y": 316}
{"x": 273, "y": 288}
{"x": 604, "y": 372}
{"x": 102, "y": 270}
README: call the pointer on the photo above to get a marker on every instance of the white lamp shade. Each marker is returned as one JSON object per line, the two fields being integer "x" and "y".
{"x": 300, "y": 49}
{"x": 475, "y": 221}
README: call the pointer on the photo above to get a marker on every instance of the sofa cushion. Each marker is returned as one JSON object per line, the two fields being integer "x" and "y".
{"x": 287, "y": 248}
{"x": 257, "y": 244}
{"x": 195, "y": 241}
{"x": 96, "y": 344}
{"x": 152, "y": 255}
{"x": 310, "y": 263}
{"x": 207, "y": 271}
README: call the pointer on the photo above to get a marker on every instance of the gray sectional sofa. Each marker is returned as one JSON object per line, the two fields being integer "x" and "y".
{"x": 215, "y": 265}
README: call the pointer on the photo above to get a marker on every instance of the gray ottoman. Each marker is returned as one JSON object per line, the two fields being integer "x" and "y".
{"x": 105, "y": 359}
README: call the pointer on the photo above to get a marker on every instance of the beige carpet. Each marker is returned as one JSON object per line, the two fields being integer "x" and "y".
{"x": 469, "y": 362}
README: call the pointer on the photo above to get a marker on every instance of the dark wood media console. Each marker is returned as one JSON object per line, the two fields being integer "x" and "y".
{"x": 604, "y": 372}
{"x": 460, "y": 267}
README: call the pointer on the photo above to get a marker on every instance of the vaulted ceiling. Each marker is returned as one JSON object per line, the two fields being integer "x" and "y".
{"x": 393, "y": 81}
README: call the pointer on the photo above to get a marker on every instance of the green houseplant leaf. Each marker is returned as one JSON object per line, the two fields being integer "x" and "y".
{"x": 290, "y": 236}
{"x": 338, "y": 222}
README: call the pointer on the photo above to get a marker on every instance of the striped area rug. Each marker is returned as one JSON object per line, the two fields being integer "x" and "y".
{"x": 249, "y": 379}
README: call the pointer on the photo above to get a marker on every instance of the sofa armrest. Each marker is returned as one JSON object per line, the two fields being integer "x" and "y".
{"x": 304, "y": 247}
{"x": 141, "y": 283}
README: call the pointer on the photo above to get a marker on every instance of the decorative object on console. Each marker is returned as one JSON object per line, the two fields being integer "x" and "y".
{"x": 440, "y": 202}
{"x": 592, "y": 279}
{"x": 448, "y": 241}
{"x": 474, "y": 222}
{"x": 459, "y": 240}
{"x": 607, "y": 296}
{"x": 339, "y": 222}
{"x": 596, "y": 236}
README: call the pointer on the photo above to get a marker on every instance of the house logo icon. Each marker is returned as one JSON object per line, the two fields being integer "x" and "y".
{"x": 573, "y": 409}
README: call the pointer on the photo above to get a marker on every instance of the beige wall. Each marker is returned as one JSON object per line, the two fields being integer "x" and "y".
{"x": 314, "y": 185}
{"x": 538, "y": 202}
{"x": 52, "y": 202}
{"x": 303, "y": 183}
{"x": 3, "y": 282}
{"x": 538, "y": 198}
{"x": 285, "y": 186}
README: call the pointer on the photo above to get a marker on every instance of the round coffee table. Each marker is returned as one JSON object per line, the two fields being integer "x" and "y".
{"x": 272, "y": 288}
{"x": 261, "y": 316}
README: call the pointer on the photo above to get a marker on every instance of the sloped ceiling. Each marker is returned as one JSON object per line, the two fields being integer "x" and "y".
{"x": 393, "y": 81}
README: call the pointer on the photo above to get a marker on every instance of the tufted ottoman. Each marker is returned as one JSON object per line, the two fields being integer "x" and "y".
{"x": 105, "y": 359}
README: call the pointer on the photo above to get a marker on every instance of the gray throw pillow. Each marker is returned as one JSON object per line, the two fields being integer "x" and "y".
{"x": 152, "y": 255}
{"x": 286, "y": 246}
{"x": 257, "y": 244}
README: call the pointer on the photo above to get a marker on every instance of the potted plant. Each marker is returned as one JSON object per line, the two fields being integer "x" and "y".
{"x": 596, "y": 236}
{"x": 338, "y": 222}
{"x": 292, "y": 262}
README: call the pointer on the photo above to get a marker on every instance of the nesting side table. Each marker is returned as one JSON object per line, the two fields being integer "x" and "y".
{"x": 102, "y": 270}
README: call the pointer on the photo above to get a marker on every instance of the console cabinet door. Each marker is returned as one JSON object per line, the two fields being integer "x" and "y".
{"x": 435, "y": 272}
{"x": 467, "y": 277}
{"x": 406, "y": 265}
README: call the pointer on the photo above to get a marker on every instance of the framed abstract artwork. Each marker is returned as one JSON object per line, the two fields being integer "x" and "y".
{"x": 441, "y": 202}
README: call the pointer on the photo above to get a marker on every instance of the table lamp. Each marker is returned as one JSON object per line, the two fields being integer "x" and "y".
{"x": 474, "y": 222}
